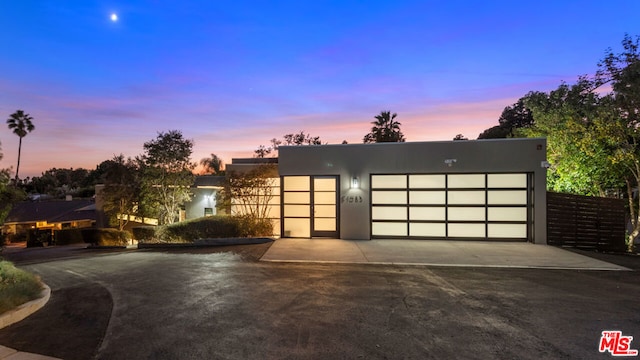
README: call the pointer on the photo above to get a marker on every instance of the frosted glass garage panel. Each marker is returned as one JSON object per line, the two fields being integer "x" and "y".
{"x": 466, "y": 197}
{"x": 388, "y": 213}
{"x": 324, "y": 184}
{"x": 296, "y": 198}
{"x": 324, "y": 210}
{"x": 297, "y": 211}
{"x": 509, "y": 197}
{"x": 427, "y": 230}
{"x": 466, "y": 214}
{"x": 296, "y": 183}
{"x": 427, "y": 213}
{"x": 389, "y": 197}
{"x": 297, "y": 227}
{"x": 427, "y": 197}
{"x": 324, "y": 197}
{"x": 507, "y": 180}
{"x": 507, "y": 214}
{"x": 388, "y": 229}
{"x": 427, "y": 181}
{"x": 467, "y": 230}
{"x": 518, "y": 231}
{"x": 388, "y": 181}
{"x": 466, "y": 181}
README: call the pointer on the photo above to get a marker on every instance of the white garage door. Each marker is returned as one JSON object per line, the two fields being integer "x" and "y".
{"x": 451, "y": 206}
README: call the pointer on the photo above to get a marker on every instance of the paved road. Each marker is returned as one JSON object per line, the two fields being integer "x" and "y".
{"x": 216, "y": 304}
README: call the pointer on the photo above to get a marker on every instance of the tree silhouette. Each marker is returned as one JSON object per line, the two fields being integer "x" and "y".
{"x": 21, "y": 125}
{"x": 384, "y": 129}
{"x": 212, "y": 165}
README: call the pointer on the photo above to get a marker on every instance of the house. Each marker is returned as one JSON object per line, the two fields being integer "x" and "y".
{"x": 50, "y": 214}
{"x": 452, "y": 190}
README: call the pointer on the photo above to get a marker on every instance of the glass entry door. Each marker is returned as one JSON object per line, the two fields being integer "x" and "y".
{"x": 309, "y": 206}
{"x": 324, "y": 207}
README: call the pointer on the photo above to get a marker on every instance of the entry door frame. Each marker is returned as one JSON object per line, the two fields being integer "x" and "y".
{"x": 320, "y": 233}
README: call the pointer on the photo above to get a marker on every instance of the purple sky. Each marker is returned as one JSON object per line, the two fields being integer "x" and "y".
{"x": 233, "y": 75}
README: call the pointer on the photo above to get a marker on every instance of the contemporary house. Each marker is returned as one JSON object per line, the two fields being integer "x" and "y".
{"x": 452, "y": 190}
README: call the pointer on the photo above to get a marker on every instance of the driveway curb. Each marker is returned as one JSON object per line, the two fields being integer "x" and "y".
{"x": 26, "y": 309}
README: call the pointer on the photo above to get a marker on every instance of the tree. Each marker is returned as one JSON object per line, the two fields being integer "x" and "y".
{"x": 570, "y": 118}
{"x": 594, "y": 136}
{"x": 212, "y": 165}
{"x": 460, "y": 137}
{"x": 21, "y": 125}
{"x": 384, "y": 129}
{"x": 622, "y": 71}
{"x": 300, "y": 138}
{"x": 59, "y": 182}
{"x": 8, "y": 194}
{"x": 121, "y": 192}
{"x": 167, "y": 174}
{"x": 513, "y": 117}
{"x": 250, "y": 192}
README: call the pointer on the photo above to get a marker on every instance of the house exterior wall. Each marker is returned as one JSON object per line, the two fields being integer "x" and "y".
{"x": 361, "y": 160}
{"x": 203, "y": 198}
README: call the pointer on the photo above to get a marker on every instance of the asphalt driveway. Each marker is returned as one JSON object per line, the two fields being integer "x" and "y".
{"x": 220, "y": 303}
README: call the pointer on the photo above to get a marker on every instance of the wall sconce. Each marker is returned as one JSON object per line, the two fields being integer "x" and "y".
{"x": 450, "y": 162}
{"x": 355, "y": 184}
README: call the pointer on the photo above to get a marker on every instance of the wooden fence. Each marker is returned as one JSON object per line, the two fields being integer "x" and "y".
{"x": 585, "y": 222}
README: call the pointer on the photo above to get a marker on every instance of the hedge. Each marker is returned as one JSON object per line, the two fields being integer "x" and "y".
{"x": 220, "y": 226}
{"x": 105, "y": 237}
{"x": 68, "y": 236}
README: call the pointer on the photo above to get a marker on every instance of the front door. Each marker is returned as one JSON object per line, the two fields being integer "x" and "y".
{"x": 309, "y": 206}
{"x": 324, "y": 206}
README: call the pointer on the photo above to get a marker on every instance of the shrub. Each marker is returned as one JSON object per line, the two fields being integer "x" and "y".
{"x": 68, "y": 236}
{"x": 105, "y": 237}
{"x": 16, "y": 286}
{"x": 144, "y": 233}
{"x": 220, "y": 226}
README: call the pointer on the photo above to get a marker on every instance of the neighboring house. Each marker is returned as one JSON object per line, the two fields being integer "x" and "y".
{"x": 50, "y": 214}
{"x": 205, "y": 189}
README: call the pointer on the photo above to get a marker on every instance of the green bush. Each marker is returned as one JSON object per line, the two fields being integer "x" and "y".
{"x": 220, "y": 226}
{"x": 105, "y": 237}
{"x": 68, "y": 236}
{"x": 144, "y": 233}
{"x": 16, "y": 286}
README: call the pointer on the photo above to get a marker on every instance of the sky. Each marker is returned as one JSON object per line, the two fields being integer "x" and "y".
{"x": 231, "y": 75}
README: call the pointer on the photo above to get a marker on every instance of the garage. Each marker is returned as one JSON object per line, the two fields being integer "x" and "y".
{"x": 486, "y": 206}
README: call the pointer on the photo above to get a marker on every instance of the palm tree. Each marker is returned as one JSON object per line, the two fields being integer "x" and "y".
{"x": 385, "y": 129}
{"x": 212, "y": 165}
{"x": 21, "y": 125}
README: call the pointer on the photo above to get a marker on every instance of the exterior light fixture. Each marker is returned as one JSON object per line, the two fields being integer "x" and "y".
{"x": 355, "y": 184}
{"x": 450, "y": 162}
